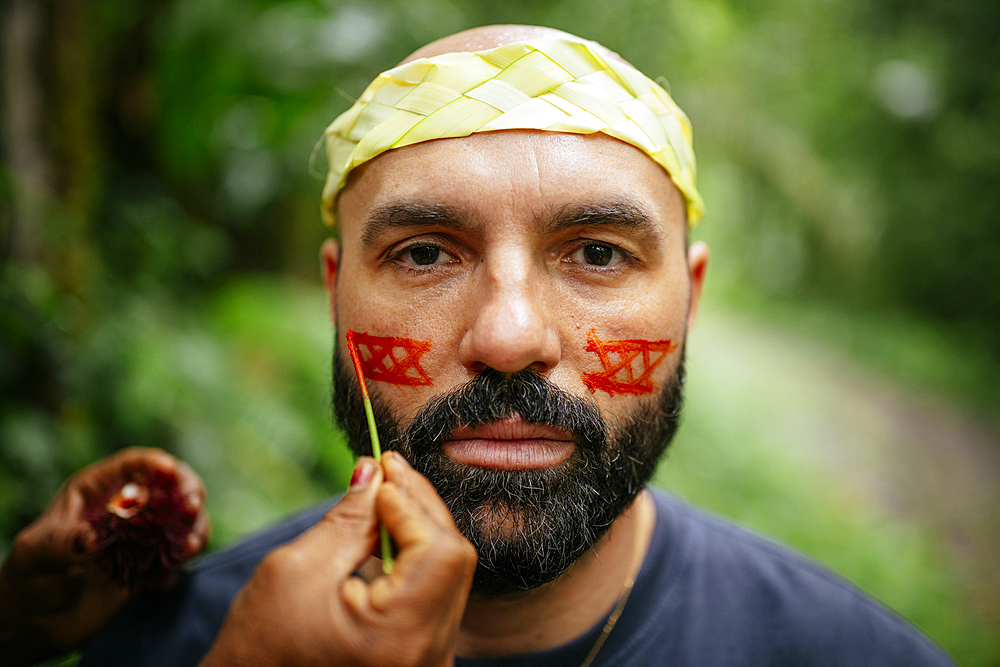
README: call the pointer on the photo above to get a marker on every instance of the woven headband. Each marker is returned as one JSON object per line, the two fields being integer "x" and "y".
{"x": 558, "y": 85}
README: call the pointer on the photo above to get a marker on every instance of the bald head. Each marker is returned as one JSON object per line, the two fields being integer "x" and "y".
{"x": 490, "y": 37}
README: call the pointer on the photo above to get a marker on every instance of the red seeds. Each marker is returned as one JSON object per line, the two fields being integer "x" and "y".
{"x": 142, "y": 528}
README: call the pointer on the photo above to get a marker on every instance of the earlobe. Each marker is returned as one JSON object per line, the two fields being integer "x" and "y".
{"x": 329, "y": 256}
{"x": 697, "y": 267}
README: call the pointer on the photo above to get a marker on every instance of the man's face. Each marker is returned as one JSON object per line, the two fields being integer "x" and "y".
{"x": 544, "y": 269}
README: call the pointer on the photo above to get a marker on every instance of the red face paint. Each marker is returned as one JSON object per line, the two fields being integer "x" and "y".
{"x": 622, "y": 359}
{"x": 392, "y": 360}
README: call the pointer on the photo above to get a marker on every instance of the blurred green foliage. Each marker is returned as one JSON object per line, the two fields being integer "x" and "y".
{"x": 160, "y": 220}
{"x": 791, "y": 437}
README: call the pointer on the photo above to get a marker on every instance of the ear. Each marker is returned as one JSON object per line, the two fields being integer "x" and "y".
{"x": 329, "y": 254}
{"x": 697, "y": 266}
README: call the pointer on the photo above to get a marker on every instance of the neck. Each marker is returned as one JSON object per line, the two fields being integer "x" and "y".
{"x": 556, "y": 613}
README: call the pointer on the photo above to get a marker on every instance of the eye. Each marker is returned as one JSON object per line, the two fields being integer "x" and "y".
{"x": 420, "y": 256}
{"x": 599, "y": 254}
{"x": 424, "y": 255}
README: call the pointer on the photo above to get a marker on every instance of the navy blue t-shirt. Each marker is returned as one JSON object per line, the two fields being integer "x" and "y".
{"x": 708, "y": 594}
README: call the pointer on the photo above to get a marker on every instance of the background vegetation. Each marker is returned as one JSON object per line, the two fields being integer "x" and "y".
{"x": 160, "y": 226}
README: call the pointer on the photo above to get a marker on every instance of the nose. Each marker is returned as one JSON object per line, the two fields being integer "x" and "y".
{"x": 511, "y": 329}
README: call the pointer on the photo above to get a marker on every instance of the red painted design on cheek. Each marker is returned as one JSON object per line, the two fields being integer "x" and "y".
{"x": 619, "y": 359}
{"x": 393, "y": 360}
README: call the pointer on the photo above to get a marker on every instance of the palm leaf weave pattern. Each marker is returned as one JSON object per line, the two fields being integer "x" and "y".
{"x": 558, "y": 85}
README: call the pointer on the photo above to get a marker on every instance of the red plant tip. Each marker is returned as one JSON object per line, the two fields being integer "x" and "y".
{"x": 129, "y": 501}
{"x": 141, "y": 528}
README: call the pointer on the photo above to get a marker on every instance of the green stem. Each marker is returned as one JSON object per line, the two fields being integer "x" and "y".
{"x": 387, "y": 559}
{"x": 372, "y": 431}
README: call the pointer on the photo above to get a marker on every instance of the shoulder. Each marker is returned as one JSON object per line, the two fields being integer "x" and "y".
{"x": 747, "y": 600}
{"x": 177, "y": 628}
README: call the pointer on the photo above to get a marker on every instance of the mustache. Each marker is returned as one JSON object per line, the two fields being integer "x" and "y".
{"x": 528, "y": 526}
{"x": 493, "y": 396}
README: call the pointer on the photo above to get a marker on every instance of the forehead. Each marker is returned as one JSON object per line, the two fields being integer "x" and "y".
{"x": 523, "y": 174}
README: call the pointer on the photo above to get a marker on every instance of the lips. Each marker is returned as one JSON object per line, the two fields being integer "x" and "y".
{"x": 509, "y": 444}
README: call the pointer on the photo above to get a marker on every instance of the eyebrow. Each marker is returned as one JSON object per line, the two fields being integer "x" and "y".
{"x": 413, "y": 214}
{"x": 619, "y": 214}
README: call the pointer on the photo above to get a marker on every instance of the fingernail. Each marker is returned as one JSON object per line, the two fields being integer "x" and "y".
{"x": 401, "y": 460}
{"x": 364, "y": 470}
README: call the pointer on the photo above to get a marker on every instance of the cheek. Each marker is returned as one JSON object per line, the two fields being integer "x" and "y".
{"x": 393, "y": 360}
{"x": 626, "y": 365}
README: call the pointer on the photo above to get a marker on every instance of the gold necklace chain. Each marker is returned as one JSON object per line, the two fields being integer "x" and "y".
{"x": 610, "y": 625}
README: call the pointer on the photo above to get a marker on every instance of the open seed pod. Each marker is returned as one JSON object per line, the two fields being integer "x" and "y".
{"x": 142, "y": 527}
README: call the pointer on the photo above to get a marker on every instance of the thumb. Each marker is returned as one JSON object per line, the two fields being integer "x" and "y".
{"x": 348, "y": 532}
{"x": 59, "y": 538}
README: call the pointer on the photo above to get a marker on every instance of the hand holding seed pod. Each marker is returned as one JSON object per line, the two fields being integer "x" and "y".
{"x": 142, "y": 527}
{"x": 122, "y": 524}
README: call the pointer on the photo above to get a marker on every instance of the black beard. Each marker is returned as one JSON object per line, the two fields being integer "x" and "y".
{"x": 528, "y": 526}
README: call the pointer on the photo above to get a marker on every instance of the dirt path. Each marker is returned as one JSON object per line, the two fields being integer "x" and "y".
{"x": 919, "y": 457}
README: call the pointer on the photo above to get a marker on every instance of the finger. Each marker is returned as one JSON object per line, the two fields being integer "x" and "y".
{"x": 191, "y": 488}
{"x": 347, "y": 533}
{"x": 419, "y": 522}
{"x": 198, "y": 538}
{"x": 149, "y": 467}
{"x": 410, "y": 523}
{"x": 61, "y": 534}
{"x": 81, "y": 540}
{"x": 100, "y": 479}
{"x": 434, "y": 564}
{"x": 399, "y": 471}
{"x": 141, "y": 459}
{"x": 407, "y": 521}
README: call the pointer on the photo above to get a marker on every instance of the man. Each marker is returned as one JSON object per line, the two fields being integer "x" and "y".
{"x": 512, "y": 207}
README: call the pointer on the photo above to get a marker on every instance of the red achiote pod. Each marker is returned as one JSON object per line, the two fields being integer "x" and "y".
{"x": 141, "y": 527}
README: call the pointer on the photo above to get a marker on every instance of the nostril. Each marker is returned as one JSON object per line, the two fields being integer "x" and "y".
{"x": 477, "y": 367}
